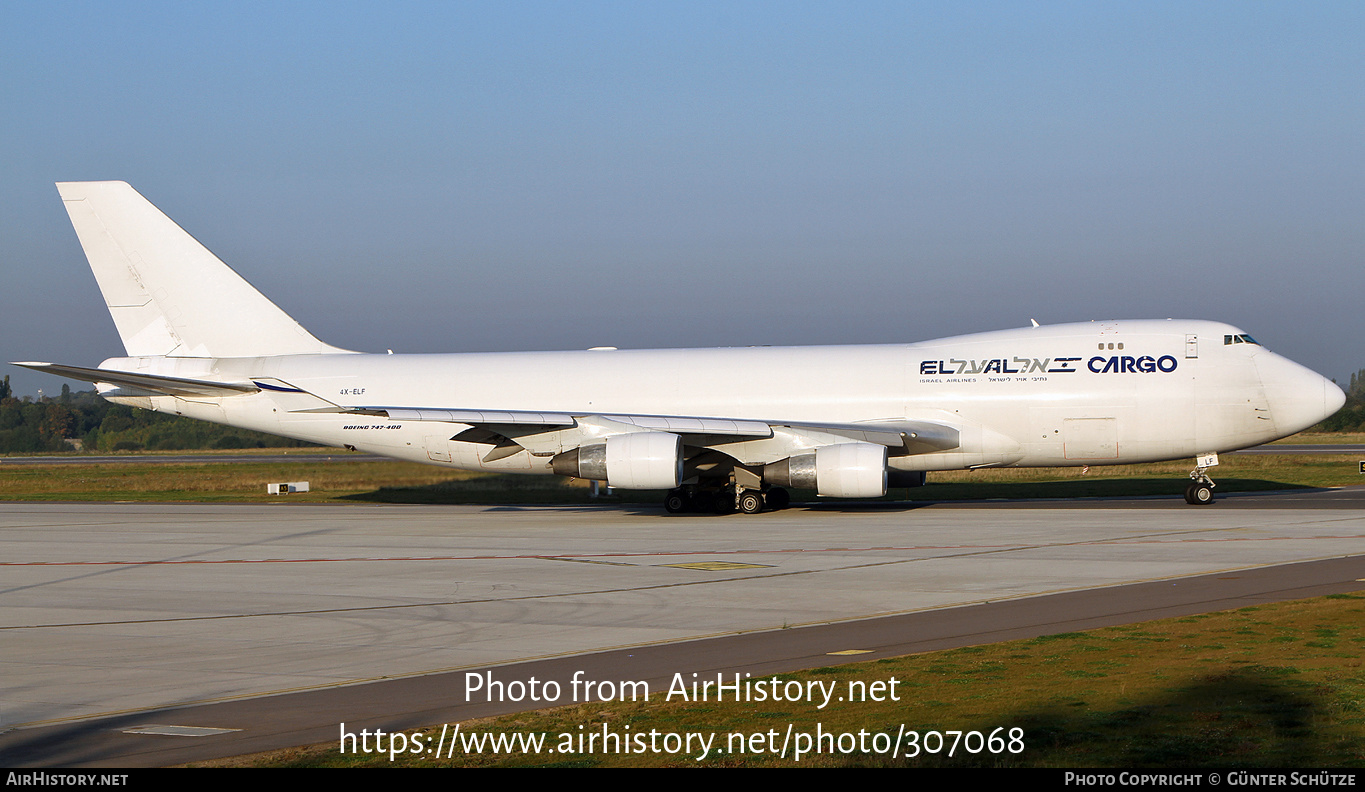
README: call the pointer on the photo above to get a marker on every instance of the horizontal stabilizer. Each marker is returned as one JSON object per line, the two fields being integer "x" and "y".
{"x": 153, "y": 383}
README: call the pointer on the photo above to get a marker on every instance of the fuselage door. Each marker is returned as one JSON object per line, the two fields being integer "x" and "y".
{"x": 1090, "y": 438}
{"x": 438, "y": 448}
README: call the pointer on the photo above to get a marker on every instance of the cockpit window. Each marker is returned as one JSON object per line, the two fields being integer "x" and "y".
{"x": 1242, "y": 338}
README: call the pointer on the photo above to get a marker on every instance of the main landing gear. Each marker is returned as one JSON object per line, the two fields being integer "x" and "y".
{"x": 722, "y": 500}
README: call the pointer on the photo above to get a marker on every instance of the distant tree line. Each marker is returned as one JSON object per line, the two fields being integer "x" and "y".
{"x": 51, "y": 424}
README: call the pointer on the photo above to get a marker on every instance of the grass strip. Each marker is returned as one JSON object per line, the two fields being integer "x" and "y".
{"x": 384, "y": 481}
{"x": 1277, "y": 685}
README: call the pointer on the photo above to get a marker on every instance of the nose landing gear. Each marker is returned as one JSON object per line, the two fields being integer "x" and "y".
{"x": 1200, "y": 491}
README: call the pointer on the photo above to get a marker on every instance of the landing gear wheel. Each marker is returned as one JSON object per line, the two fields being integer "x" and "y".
{"x": 1199, "y": 494}
{"x": 750, "y": 502}
{"x": 675, "y": 501}
{"x": 778, "y": 498}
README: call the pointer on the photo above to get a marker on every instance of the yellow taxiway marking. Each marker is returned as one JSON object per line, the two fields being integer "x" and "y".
{"x": 178, "y": 731}
{"x": 716, "y": 566}
{"x": 850, "y": 652}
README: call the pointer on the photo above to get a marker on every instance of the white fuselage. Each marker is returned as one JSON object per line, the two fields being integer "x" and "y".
{"x": 845, "y": 421}
{"x": 1093, "y": 393}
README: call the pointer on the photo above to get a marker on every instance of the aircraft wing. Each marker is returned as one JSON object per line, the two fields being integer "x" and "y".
{"x": 511, "y": 430}
{"x": 639, "y": 451}
{"x": 663, "y": 423}
{"x": 901, "y": 436}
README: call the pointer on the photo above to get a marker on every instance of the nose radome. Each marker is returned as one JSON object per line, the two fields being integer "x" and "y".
{"x": 1299, "y": 397}
{"x": 1334, "y": 398}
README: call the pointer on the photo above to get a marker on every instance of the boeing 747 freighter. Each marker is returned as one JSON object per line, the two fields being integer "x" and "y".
{"x": 716, "y": 428}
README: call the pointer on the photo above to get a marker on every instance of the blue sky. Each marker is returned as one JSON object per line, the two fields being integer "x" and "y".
{"x": 435, "y": 177}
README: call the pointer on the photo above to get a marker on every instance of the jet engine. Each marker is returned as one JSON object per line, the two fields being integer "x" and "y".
{"x": 639, "y": 460}
{"x": 846, "y": 470}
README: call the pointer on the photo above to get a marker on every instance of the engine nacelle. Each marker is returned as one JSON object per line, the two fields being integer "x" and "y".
{"x": 846, "y": 470}
{"x": 639, "y": 460}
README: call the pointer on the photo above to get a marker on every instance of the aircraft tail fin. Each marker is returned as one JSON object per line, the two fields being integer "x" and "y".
{"x": 167, "y": 293}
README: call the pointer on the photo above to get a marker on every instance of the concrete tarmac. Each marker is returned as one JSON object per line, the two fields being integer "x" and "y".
{"x": 110, "y": 612}
{"x": 338, "y": 455}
